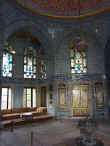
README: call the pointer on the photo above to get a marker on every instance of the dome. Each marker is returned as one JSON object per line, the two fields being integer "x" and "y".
{"x": 66, "y": 8}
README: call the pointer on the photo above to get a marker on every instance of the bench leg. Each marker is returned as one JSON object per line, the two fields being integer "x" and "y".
{"x": 31, "y": 139}
{"x": 12, "y": 126}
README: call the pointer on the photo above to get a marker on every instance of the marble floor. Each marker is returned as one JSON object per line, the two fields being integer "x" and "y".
{"x": 50, "y": 133}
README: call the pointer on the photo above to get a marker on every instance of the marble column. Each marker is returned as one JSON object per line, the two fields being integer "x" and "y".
{"x": 68, "y": 100}
{"x": 18, "y": 91}
{"x": 1, "y": 53}
{"x": 18, "y": 60}
{"x": 0, "y": 96}
{"x": 55, "y": 99}
{"x": 92, "y": 100}
{"x": 106, "y": 97}
{"x": 51, "y": 100}
{"x": 38, "y": 96}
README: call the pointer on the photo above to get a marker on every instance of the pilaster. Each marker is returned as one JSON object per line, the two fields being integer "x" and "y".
{"x": 106, "y": 97}
{"x": 69, "y": 100}
{"x": 92, "y": 99}
{"x": 55, "y": 98}
{"x": 1, "y": 53}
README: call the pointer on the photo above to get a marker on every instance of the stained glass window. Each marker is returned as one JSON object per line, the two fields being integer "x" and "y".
{"x": 29, "y": 99}
{"x": 6, "y": 99}
{"x": 78, "y": 57}
{"x": 7, "y": 64}
{"x": 30, "y": 63}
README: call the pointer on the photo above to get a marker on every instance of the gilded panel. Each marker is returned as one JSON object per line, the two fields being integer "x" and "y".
{"x": 79, "y": 99}
{"x": 62, "y": 105}
{"x": 62, "y": 96}
{"x": 99, "y": 94}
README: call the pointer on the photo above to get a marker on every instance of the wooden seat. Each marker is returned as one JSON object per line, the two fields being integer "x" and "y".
{"x": 20, "y": 121}
{"x": 10, "y": 116}
{"x": 14, "y": 118}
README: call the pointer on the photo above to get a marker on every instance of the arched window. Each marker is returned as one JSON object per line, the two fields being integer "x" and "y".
{"x": 78, "y": 56}
{"x": 30, "y": 63}
{"x": 7, "y": 61}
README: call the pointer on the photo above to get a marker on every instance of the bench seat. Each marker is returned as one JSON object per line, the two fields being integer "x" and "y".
{"x": 17, "y": 115}
{"x": 20, "y": 121}
{"x": 23, "y": 116}
{"x": 16, "y": 112}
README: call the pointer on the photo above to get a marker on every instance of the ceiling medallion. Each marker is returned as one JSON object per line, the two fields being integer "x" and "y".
{"x": 65, "y": 8}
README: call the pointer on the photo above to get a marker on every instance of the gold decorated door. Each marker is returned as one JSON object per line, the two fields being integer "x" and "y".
{"x": 43, "y": 97}
{"x": 79, "y": 100}
{"x": 62, "y": 105}
{"x": 99, "y": 95}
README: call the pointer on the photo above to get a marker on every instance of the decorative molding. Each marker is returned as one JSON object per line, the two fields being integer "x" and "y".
{"x": 60, "y": 10}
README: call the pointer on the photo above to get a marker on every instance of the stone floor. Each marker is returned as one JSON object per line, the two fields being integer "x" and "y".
{"x": 51, "y": 133}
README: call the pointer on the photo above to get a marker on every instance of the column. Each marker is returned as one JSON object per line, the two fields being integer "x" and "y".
{"x": 19, "y": 60}
{"x": 0, "y": 74}
{"x": 106, "y": 97}
{"x": 18, "y": 94}
{"x": 69, "y": 100}
{"x": 92, "y": 99}
{"x": 55, "y": 99}
{"x": 50, "y": 100}
{"x": 1, "y": 53}
{"x": 38, "y": 95}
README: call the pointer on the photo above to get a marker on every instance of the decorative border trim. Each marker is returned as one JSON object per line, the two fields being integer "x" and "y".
{"x": 96, "y": 12}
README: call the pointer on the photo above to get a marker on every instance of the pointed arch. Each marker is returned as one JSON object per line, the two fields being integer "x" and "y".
{"x": 78, "y": 56}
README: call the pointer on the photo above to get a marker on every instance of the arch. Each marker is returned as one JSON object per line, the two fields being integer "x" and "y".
{"x": 34, "y": 28}
{"x": 89, "y": 37}
{"x": 88, "y": 34}
{"x": 95, "y": 47}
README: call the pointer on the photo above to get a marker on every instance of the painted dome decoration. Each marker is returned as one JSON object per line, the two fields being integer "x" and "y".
{"x": 65, "y": 8}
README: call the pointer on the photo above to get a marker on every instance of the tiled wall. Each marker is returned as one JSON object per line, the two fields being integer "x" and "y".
{"x": 55, "y": 36}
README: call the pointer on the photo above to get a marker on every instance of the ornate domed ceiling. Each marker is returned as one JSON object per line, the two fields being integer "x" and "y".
{"x": 66, "y": 8}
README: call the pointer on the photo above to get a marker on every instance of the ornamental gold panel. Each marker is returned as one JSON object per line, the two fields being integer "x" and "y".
{"x": 80, "y": 99}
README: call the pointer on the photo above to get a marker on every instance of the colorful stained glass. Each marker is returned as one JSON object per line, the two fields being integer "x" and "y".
{"x": 78, "y": 59}
{"x": 7, "y": 64}
{"x": 30, "y": 63}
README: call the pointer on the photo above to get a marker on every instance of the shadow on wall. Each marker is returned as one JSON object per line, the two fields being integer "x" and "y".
{"x": 107, "y": 58}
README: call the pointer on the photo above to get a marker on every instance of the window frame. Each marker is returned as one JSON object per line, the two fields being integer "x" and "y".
{"x": 80, "y": 51}
{"x": 7, "y": 102}
{"x": 34, "y": 64}
{"x": 32, "y": 104}
{"x": 6, "y": 51}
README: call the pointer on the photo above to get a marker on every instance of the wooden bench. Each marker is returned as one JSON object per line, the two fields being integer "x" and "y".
{"x": 17, "y": 122}
{"x": 16, "y": 112}
{"x": 14, "y": 117}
